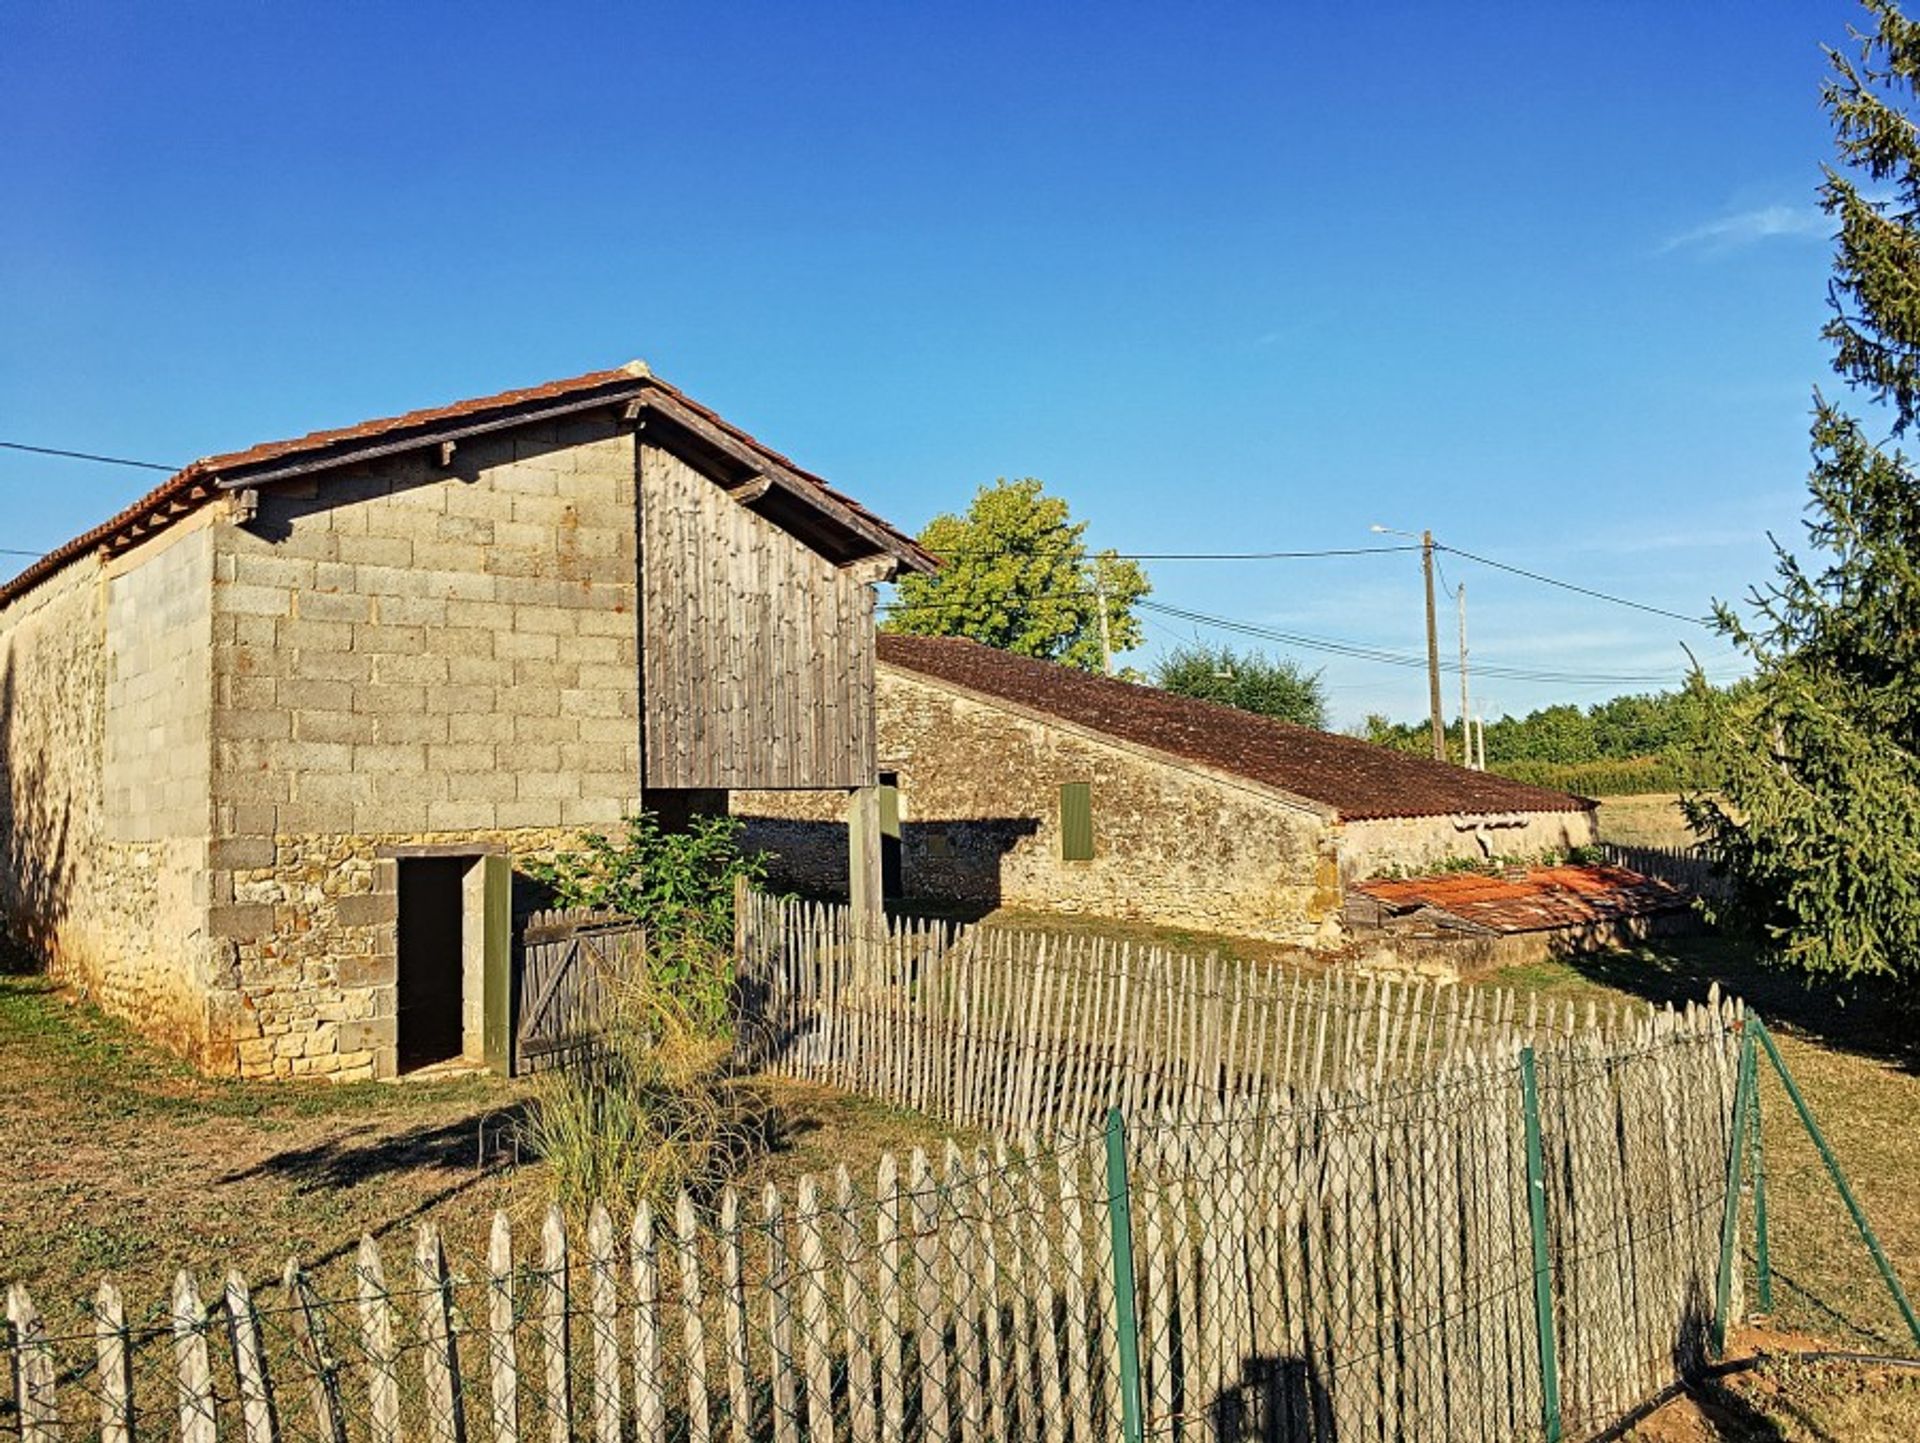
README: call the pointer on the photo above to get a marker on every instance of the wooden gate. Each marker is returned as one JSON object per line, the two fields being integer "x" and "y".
{"x": 571, "y": 966}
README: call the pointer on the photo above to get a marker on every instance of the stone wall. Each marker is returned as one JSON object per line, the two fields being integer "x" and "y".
{"x": 979, "y": 798}
{"x": 1416, "y": 844}
{"x": 315, "y": 985}
{"x": 407, "y": 656}
{"x": 103, "y": 781}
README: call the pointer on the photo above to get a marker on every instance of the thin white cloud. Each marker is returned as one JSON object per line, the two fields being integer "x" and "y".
{"x": 1749, "y": 227}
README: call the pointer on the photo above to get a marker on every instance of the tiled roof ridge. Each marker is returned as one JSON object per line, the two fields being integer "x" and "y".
{"x": 1360, "y": 780}
{"x": 193, "y": 485}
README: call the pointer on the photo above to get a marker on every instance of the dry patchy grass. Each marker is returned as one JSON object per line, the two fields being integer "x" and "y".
{"x": 1651, "y": 819}
{"x": 123, "y": 1161}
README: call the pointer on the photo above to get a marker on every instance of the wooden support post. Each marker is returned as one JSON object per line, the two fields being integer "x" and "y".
{"x": 1737, "y": 1138}
{"x": 497, "y": 968}
{"x": 867, "y": 907}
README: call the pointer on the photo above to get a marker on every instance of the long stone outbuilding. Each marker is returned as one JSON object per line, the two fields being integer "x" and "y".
{"x": 270, "y": 737}
{"x": 1013, "y": 782}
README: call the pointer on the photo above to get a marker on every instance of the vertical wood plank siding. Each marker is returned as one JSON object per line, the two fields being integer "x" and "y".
{"x": 759, "y": 651}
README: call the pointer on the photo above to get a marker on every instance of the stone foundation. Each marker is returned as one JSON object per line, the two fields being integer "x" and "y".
{"x": 313, "y": 951}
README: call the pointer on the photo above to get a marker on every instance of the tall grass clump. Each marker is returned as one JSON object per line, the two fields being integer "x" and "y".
{"x": 654, "y": 1106}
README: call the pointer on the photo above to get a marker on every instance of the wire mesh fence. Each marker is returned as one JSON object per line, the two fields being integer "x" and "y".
{"x": 1306, "y": 1264}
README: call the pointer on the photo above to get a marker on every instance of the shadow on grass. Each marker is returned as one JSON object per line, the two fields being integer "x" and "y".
{"x": 471, "y": 1144}
{"x": 1857, "y": 1019}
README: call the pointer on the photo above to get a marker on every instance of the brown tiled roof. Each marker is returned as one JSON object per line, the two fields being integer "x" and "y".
{"x": 193, "y": 485}
{"x": 1357, "y": 779}
{"x": 1542, "y": 899}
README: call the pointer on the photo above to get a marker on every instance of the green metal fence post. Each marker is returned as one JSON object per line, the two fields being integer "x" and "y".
{"x": 1762, "y": 1255}
{"x": 1839, "y": 1180}
{"x": 1126, "y": 1313}
{"x": 1730, "y": 1208}
{"x": 1542, "y": 1267}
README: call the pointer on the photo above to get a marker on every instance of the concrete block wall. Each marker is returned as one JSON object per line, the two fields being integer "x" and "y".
{"x": 159, "y": 689}
{"x": 104, "y": 781}
{"x": 407, "y": 655}
{"x": 979, "y": 798}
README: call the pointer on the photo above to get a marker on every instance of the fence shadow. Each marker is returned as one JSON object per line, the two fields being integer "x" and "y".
{"x": 1274, "y": 1399}
{"x": 466, "y": 1145}
{"x": 1864, "y": 1020}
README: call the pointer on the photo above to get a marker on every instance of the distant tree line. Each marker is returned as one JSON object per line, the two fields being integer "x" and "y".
{"x": 1640, "y": 743}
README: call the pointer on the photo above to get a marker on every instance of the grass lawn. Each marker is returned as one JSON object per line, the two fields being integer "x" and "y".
{"x": 1645, "y": 819}
{"x": 121, "y": 1160}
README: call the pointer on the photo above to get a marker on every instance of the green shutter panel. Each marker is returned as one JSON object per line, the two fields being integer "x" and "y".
{"x": 1076, "y": 821}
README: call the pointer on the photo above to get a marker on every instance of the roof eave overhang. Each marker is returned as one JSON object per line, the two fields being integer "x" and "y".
{"x": 792, "y": 502}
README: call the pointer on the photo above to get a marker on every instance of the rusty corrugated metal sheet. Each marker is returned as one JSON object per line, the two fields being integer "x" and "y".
{"x": 1538, "y": 900}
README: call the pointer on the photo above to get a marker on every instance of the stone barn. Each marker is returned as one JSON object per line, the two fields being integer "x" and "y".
{"x": 270, "y": 737}
{"x": 1009, "y": 781}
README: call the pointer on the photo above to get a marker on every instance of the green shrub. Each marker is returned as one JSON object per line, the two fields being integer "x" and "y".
{"x": 679, "y": 885}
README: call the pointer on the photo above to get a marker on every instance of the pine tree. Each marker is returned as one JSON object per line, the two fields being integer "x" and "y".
{"x": 1818, "y": 814}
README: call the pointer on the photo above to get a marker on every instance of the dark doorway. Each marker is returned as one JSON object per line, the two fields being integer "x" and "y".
{"x": 890, "y": 862}
{"x": 431, "y": 960}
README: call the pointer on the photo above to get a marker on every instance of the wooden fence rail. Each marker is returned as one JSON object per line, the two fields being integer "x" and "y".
{"x": 1019, "y": 1032}
{"x": 1691, "y": 869}
{"x": 1325, "y": 1263}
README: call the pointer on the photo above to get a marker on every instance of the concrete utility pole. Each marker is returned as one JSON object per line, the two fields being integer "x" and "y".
{"x": 1466, "y": 716}
{"x": 1100, "y": 600}
{"x": 1433, "y": 652}
{"x": 1425, "y": 538}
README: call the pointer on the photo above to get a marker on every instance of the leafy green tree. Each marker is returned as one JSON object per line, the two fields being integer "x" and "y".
{"x": 1250, "y": 681}
{"x": 1818, "y": 817}
{"x": 1016, "y": 575}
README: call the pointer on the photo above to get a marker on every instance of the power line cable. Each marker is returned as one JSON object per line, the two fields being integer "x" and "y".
{"x": 1570, "y": 586}
{"x": 86, "y": 456}
{"x": 1088, "y": 554}
{"x": 1334, "y": 551}
{"x": 1358, "y": 651}
{"x": 1296, "y": 555}
{"x": 1363, "y": 652}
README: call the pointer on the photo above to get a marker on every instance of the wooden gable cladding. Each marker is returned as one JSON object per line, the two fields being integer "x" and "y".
{"x": 757, "y": 650}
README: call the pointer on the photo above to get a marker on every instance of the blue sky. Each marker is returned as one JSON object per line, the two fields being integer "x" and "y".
{"x": 1547, "y": 279}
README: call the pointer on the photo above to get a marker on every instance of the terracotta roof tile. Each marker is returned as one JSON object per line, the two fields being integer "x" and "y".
{"x": 1543, "y": 899}
{"x": 1357, "y": 779}
{"x": 193, "y": 485}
